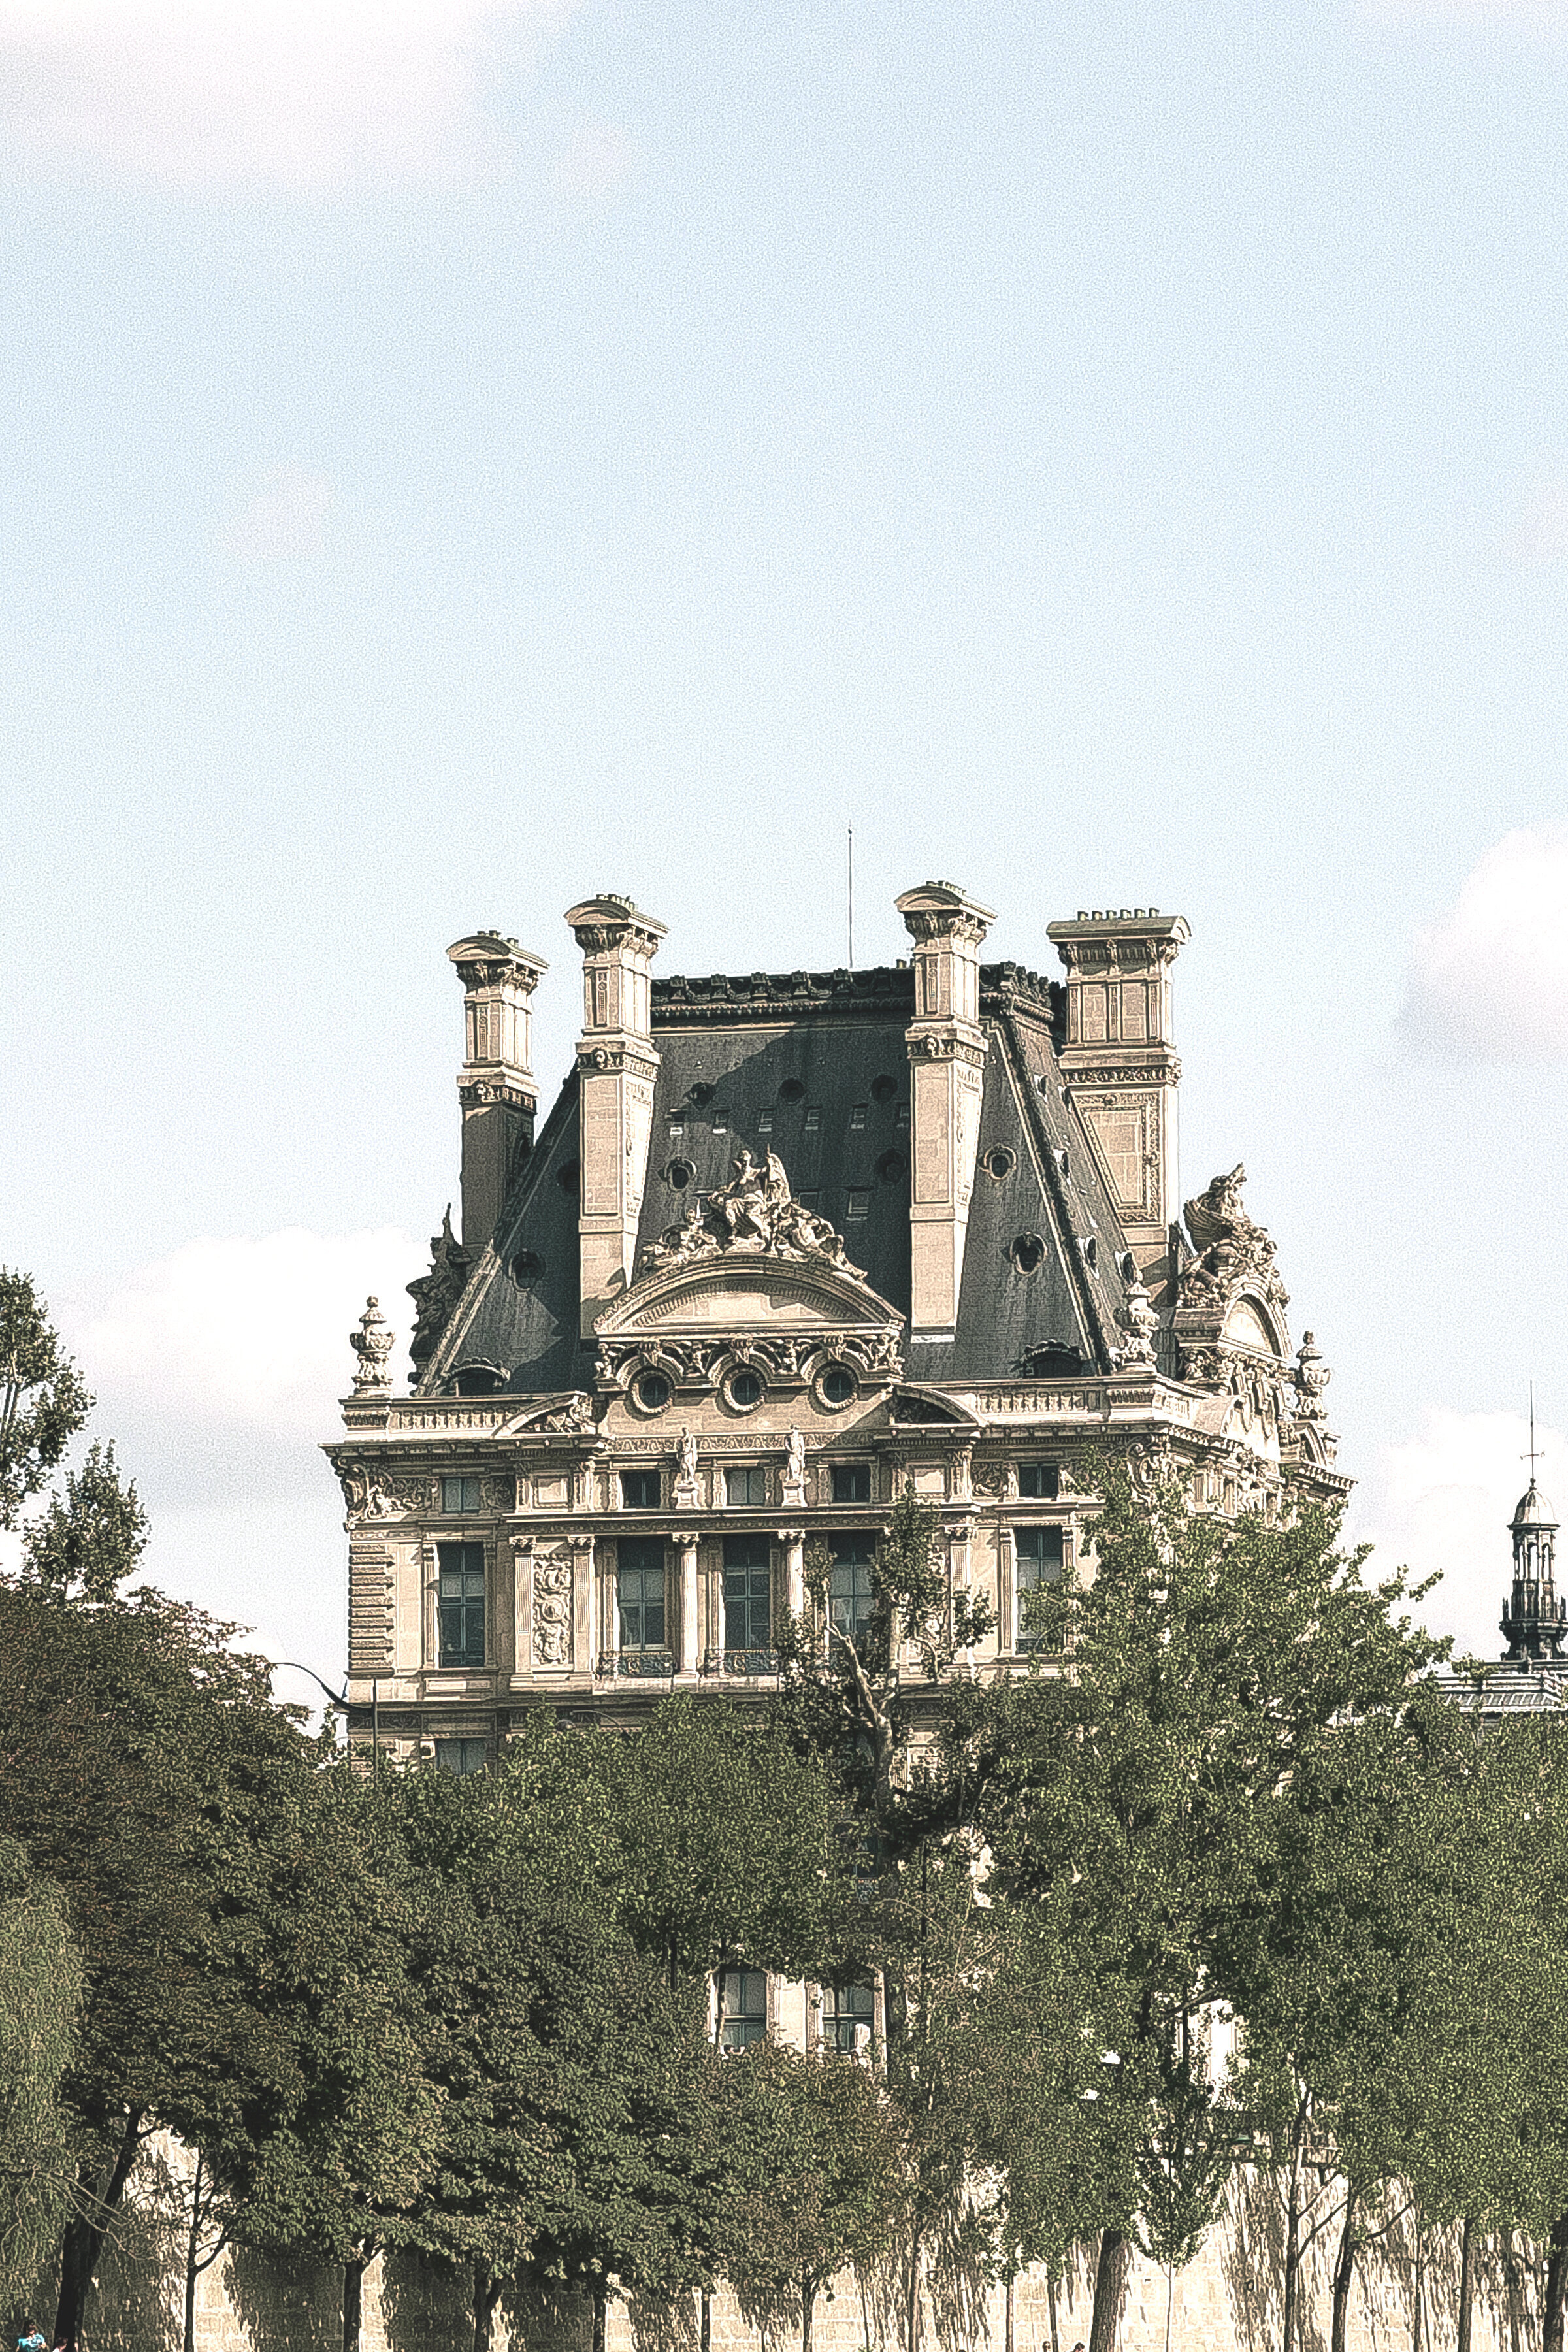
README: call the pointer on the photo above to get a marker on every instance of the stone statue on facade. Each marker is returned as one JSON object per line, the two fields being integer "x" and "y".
{"x": 1232, "y": 1250}
{"x": 1140, "y": 1322}
{"x": 754, "y": 1214}
{"x": 435, "y": 1294}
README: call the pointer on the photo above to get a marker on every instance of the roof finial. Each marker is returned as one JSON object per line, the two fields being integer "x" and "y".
{"x": 1532, "y": 1456}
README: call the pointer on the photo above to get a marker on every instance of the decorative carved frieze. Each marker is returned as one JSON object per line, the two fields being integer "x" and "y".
{"x": 373, "y": 1493}
{"x": 552, "y": 1608}
{"x": 703, "y": 1362}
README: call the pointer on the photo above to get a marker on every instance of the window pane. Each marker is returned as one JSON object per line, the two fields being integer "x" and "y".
{"x": 459, "y": 1495}
{"x": 639, "y": 1580}
{"x": 461, "y": 1598}
{"x": 746, "y": 1490}
{"x": 1039, "y": 1554}
{"x": 849, "y": 1595}
{"x": 639, "y": 1490}
{"x": 461, "y": 1755}
{"x": 742, "y": 2008}
{"x": 1038, "y": 1481}
{"x": 851, "y": 1482}
{"x": 848, "y": 2016}
{"x": 748, "y": 1604}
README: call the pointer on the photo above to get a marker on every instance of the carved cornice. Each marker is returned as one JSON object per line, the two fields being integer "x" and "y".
{"x": 477, "y": 1093}
{"x": 949, "y": 1043}
{"x": 488, "y": 961}
{"x": 607, "y": 925}
{"x": 626, "y": 1054}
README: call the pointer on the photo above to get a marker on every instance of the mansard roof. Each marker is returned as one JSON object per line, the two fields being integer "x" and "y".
{"x": 814, "y": 1066}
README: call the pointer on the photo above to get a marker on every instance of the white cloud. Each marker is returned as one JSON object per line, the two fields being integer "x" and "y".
{"x": 245, "y": 1334}
{"x": 284, "y": 512}
{"x": 1442, "y": 1502}
{"x": 1488, "y": 980}
{"x": 1541, "y": 535}
{"x": 294, "y": 94}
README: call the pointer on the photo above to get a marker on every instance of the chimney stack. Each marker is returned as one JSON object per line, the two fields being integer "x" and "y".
{"x": 616, "y": 1066}
{"x": 495, "y": 1086}
{"x": 947, "y": 1061}
{"x": 1122, "y": 1068}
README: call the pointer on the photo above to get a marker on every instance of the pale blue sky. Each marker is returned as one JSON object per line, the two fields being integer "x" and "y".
{"x": 1107, "y": 454}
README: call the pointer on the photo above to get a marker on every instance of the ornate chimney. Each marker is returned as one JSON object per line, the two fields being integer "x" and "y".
{"x": 495, "y": 1086}
{"x": 1121, "y": 1066}
{"x": 616, "y": 1066}
{"x": 947, "y": 1061}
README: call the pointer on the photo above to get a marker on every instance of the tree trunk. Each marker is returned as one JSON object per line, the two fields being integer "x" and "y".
{"x": 192, "y": 2241}
{"x": 1418, "y": 2314}
{"x": 807, "y": 2308}
{"x": 1007, "y": 2311}
{"x": 1109, "y": 2272}
{"x": 1510, "y": 2285}
{"x": 1344, "y": 2274}
{"x": 1287, "y": 2325}
{"x": 912, "y": 2293}
{"x": 84, "y": 2238}
{"x": 354, "y": 2297}
{"x": 705, "y": 2322}
{"x": 487, "y": 2295}
{"x": 601, "y": 2304}
{"x": 1556, "y": 2279}
{"x": 1051, "y": 2306}
{"x": 1466, "y": 2284}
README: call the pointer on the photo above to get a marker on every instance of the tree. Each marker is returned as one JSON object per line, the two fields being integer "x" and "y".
{"x": 1210, "y": 1664}
{"x": 817, "y": 2183}
{"x": 43, "y": 1402}
{"x": 40, "y": 1986}
{"x": 139, "y": 1755}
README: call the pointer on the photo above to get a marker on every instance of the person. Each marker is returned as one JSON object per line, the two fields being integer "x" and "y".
{"x": 30, "y": 2340}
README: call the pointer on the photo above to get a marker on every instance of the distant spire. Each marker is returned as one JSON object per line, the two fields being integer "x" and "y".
{"x": 1532, "y": 1456}
{"x": 1535, "y": 1622}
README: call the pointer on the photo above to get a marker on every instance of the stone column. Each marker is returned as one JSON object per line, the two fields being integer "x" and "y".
{"x": 609, "y": 1601}
{"x": 494, "y": 1084}
{"x": 616, "y": 1066}
{"x": 947, "y": 1058}
{"x": 794, "y": 1543}
{"x": 690, "y": 1606}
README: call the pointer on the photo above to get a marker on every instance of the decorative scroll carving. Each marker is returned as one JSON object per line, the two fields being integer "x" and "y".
{"x": 372, "y": 1343}
{"x": 755, "y": 1213}
{"x": 372, "y": 1495}
{"x": 552, "y": 1609}
{"x": 435, "y": 1294}
{"x": 688, "y": 1361}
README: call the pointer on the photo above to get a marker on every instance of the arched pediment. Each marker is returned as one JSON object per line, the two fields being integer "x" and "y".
{"x": 1249, "y": 1324}
{"x": 753, "y": 1292}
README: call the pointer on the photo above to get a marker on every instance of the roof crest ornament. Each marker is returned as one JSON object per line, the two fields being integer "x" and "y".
{"x": 754, "y": 1214}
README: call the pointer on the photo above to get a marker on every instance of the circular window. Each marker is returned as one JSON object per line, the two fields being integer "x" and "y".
{"x": 700, "y": 1093}
{"x": 652, "y": 1392}
{"x": 567, "y": 1176}
{"x": 837, "y": 1385}
{"x": 744, "y": 1390}
{"x": 527, "y": 1266}
{"x": 891, "y": 1166}
{"x": 791, "y": 1091}
{"x": 884, "y": 1089}
{"x": 678, "y": 1174}
{"x": 999, "y": 1163}
{"x": 1028, "y": 1253}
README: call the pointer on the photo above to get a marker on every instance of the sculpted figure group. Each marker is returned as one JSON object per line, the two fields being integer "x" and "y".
{"x": 755, "y": 1211}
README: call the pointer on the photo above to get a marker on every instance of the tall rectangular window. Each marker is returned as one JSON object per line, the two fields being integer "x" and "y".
{"x": 851, "y": 1482}
{"x": 639, "y": 1592}
{"x": 461, "y": 1755}
{"x": 459, "y": 1495}
{"x": 742, "y": 2008}
{"x": 748, "y": 1605}
{"x": 1038, "y": 1481}
{"x": 849, "y": 1596}
{"x": 639, "y": 1490}
{"x": 746, "y": 1490}
{"x": 1038, "y": 1552}
{"x": 460, "y": 1603}
{"x": 849, "y": 2017}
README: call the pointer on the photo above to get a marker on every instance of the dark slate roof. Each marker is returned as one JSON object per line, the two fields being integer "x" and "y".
{"x": 821, "y": 1058}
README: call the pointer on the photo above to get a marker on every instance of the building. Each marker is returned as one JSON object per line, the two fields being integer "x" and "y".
{"x": 784, "y": 1244}
{"x": 1532, "y": 1677}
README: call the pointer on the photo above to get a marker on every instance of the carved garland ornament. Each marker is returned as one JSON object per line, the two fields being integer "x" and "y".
{"x": 552, "y": 1609}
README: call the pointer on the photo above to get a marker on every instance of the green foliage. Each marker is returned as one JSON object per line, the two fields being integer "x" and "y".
{"x": 41, "y": 1985}
{"x": 88, "y": 1541}
{"x": 43, "y": 1402}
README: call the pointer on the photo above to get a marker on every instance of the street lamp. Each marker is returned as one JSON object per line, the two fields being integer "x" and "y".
{"x": 340, "y": 1698}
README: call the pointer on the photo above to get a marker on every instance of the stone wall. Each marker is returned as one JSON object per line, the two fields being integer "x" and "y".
{"x": 1227, "y": 2301}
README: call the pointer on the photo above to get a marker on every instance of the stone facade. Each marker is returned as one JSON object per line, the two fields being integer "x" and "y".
{"x": 785, "y": 1245}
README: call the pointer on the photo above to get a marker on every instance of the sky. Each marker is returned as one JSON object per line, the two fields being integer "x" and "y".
{"x": 461, "y": 456}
